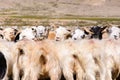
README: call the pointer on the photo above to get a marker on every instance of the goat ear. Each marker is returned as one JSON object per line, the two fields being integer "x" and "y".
{"x": 69, "y": 30}
{"x": 68, "y": 36}
{"x": 87, "y": 31}
{"x": 17, "y": 37}
{"x": 1, "y": 36}
{"x": 104, "y": 29}
{"x": 16, "y": 31}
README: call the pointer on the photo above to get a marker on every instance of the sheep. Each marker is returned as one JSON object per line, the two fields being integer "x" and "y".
{"x": 6, "y": 50}
{"x": 35, "y": 62}
{"x": 62, "y": 33}
{"x": 9, "y": 34}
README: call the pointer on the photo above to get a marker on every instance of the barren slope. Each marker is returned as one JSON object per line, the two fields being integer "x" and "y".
{"x": 104, "y": 8}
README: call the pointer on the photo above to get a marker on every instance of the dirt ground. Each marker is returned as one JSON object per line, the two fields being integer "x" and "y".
{"x": 72, "y": 12}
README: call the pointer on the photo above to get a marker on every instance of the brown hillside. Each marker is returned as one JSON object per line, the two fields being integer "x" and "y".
{"x": 104, "y": 8}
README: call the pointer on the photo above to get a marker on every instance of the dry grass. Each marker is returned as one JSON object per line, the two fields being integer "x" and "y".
{"x": 61, "y": 12}
{"x": 31, "y": 20}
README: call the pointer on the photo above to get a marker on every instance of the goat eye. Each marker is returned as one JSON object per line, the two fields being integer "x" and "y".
{"x": 32, "y": 28}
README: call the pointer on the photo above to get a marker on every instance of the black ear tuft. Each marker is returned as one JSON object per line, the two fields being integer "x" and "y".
{"x": 1, "y": 36}
{"x": 68, "y": 36}
{"x": 3, "y": 66}
{"x": 17, "y": 37}
{"x": 87, "y": 33}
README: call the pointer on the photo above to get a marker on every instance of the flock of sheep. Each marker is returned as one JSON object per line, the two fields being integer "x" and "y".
{"x": 58, "y": 53}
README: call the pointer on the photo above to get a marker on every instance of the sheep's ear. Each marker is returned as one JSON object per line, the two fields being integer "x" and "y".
{"x": 3, "y": 66}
